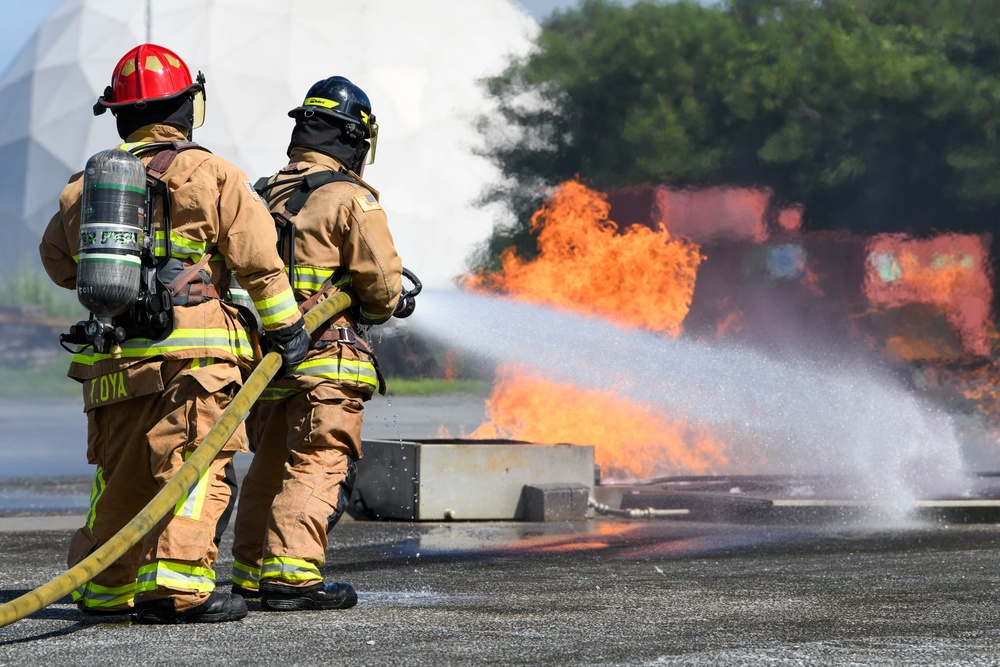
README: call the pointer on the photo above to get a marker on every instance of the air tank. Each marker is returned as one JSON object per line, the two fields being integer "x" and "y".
{"x": 112, "y": 233}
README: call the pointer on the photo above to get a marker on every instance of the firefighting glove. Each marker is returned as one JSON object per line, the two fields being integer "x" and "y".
{"x": 293, "y": 344}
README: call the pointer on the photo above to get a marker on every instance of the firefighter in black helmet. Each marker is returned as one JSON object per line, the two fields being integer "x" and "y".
{"x": 336, "y": 118}
{"x": 306, "y": 431}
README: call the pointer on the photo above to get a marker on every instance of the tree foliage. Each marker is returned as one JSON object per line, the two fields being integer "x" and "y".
{"x": 876, "y": 115}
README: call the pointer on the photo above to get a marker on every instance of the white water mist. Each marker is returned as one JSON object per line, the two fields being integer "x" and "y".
{"x": 793, "y": 415}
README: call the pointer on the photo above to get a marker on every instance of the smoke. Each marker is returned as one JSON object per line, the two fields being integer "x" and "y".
{"x": 821, "y": 414}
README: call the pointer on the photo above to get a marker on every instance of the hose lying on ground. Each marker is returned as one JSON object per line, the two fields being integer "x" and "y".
{"x": 176, "y": 488}
{"x": 634, "y": 513}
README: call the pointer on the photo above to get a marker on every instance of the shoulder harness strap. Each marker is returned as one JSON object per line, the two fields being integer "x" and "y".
{"x": 165, "y": 151}
{"x": 305, "y": 186}
{"x": 189, "y": 285}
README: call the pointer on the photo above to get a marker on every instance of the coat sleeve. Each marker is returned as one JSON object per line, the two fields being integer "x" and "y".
{"x": 60, "y": 241}
{"x": 247, "y": 239}
{"x": 369, "y": 254}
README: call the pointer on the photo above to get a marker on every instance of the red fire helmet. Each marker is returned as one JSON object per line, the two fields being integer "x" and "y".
{"x": 151, "y": 73}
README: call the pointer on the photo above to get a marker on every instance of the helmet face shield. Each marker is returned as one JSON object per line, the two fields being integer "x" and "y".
{"x": 199, "y": 110}
{"x": 199, "y": 102}
{"x": 372, "y": 142}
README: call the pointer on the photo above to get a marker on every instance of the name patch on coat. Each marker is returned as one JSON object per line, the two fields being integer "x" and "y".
{"x": 367, "y": 203}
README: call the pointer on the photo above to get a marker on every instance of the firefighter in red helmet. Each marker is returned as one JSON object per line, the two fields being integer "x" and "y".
{"x": 171, "y": 384}
{"x": 306, "y": 431}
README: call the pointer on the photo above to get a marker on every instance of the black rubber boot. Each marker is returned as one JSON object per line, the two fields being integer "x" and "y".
{"x": 246, "y": 593}
{"x": 279, "y": 597}
{"x": 218, "y": 608}
{"x": 90, "y": 611}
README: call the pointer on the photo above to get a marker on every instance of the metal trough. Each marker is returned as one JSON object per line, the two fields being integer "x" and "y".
{"x": 442, "y": 480}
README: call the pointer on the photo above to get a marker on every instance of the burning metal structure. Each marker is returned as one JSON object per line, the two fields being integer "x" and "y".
{"x": 919, "y": 304}
{"x": 723, "y": 264}
{"x": 712, "y": 350}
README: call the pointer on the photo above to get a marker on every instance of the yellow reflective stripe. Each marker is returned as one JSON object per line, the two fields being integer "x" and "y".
{"x": 277, "y": 393}
{"x": 310, "y": 277}
{"x": 95, "y": 596}
{"x": 289, "y": 569}
{"x": 236, "y": 343}
{"x": 372, "y": 318}
{"x": 168, "y": 574}
{"x": 130, "y": 146}
{"x": 313, "y": 277}
{"x": 184, "y": 248}
{"x": 277, "y": 308}
{"x": 95, "y": 494}
{"x": 320, "y": 102}
{"x": 340, "y": 370}
{"x": 180, "y": 247}
{"x": 202, "y": 362}
{"x": 190, "y": 505}
{"x": 247, "y": 576}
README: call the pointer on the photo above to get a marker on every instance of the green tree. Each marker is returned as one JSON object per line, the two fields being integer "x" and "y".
{"x": 876, "y": 115}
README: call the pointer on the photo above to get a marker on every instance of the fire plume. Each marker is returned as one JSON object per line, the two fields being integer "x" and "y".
{"x": 634, "y": 277}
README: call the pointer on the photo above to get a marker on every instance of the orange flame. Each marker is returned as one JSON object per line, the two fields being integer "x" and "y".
{"x": 636, "y": 277}
{"x": 639, "y": 277}
{"x": 631, "y": 440}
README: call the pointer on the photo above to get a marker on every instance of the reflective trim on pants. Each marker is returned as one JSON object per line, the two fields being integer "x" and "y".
{"x": 339, "y": 370}
{"x": 168, "y": 574}
{"x": 289, "y": 569}
{"x": 95, "y": 596}
{"x": 247, "y": 576}
{"x": 190, "y": 505}
{"x": 95, "y": 494}
{"x": 278, "y": 393}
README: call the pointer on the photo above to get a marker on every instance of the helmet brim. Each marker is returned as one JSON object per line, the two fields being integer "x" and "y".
{"x": 103, "y": 104}
{"x": 311, "y": 110}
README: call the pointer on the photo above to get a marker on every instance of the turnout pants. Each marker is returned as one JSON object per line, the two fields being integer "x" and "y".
{"x": 298, "y": 485}
{"x": 138, "y": 444}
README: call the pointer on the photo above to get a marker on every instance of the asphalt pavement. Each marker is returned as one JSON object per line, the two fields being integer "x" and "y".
{"x": 596, "y": 592}
{"x": 603, "y": 591}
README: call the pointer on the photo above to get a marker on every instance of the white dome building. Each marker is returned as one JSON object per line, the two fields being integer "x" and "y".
{"x": 419, "y": 62}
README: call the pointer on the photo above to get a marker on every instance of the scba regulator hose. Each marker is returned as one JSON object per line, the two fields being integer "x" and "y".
{"x": 176, "y": 488}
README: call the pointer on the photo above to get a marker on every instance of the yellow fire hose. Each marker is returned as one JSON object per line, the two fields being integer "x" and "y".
{"x": 175, "y": 489}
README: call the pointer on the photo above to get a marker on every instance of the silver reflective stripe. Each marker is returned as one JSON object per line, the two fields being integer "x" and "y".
{"x": 96, "y": 596}
{"x": 190, "y": 505}
{"x": 181, "y": 577}
{"x": 339, "y": 369}
{"x": 245, "y": 575}
{"x": 95, "y": 494}
{"x": 289, "y": 569}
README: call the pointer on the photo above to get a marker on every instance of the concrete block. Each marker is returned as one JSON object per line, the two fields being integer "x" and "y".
{"x": 461, "y": 480}
{"x": 555, "y": 502}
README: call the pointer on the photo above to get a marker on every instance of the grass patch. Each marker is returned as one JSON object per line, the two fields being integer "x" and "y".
{"x": 29, "y": 286}
{"x": 50, "y": 380}
{"x": 431, "y": 387}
